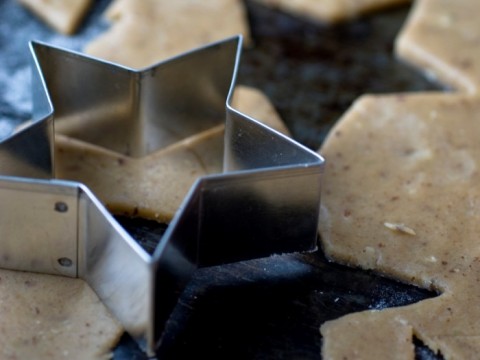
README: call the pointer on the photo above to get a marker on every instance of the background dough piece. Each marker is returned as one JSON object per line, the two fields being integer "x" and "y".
{"x": 53, "y": 317}
{"x": 145, "y": 32}
{"x": 62, "y": 15}
{"x": 441, "y": 37}
{"x": 331, "y": 11}
{"x": 411, "y": 160}
{"x": 154, "y": 186}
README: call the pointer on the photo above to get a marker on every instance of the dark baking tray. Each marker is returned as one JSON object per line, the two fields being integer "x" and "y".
{"x": 267, "y": 308}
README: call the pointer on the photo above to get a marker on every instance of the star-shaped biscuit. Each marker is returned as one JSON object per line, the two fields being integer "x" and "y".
{"x": 152, "y": 186}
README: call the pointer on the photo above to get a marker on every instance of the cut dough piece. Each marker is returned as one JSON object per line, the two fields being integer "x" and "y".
{"x": 331, "y": 11}
{"x": 445, "y": 324}
{"x": 411, "y": 160}
{"x": 62, "y": 15}
{"x": 397, "y": 345}
{"x": 155, "y": 185}
{"x": 145, "y": 32}
{"x": 441, "y": 37}
{"x": 53, "y": 317}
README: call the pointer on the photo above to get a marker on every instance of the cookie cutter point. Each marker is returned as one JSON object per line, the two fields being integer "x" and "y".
{"x": 266, "y": 201}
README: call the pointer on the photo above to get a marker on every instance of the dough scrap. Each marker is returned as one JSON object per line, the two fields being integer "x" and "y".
{"x": 411, "y": 159}
{"x": 331, "y": 11}
{"x": 154, "y": 186}
{"x": 53, "y": 317}
{"x": 441, "y": 37}
{"x": 63, "y": 16}
{"x": 145, "y": 32}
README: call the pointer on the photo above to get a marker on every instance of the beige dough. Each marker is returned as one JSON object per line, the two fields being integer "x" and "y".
{"x": 441, "y": 37}
{"x": 155, "y": 185}
{"x": 331, "y": 11}
{"x": 401, "y": 197}
{"x": 53, "y": 317}
{"x": 62, "y": 15}
{"x": 145, "y": 32}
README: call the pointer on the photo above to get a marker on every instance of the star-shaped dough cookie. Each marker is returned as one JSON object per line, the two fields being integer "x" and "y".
{"x": 441, "y": 37}
{"x": 401, "y": 196}
{"x": 153, "y": 186}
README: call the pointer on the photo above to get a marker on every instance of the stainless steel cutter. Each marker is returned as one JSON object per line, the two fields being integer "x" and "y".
{"x": 265, "y": 202}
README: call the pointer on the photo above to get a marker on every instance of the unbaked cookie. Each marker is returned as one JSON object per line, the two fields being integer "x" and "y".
{"x": 331, "y": 11}
{"x": 441, "y": 37}
{"x": 62, "y": 15}
{"x": 53, "y": 317}
{"x": 400, "y": 196}
{"x": 154, "y": 186}
{"x": 147, "y": 31}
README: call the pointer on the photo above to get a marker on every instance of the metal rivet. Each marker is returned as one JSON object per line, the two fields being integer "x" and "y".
{"x": 65, "y": 262}
{"x": 60, "y": 206}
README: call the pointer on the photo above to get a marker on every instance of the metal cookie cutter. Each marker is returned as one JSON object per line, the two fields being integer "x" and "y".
{"x": 266, "y": 201}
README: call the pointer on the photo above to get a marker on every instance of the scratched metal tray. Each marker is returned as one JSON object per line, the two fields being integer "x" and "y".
{"x": 269, "y": 308}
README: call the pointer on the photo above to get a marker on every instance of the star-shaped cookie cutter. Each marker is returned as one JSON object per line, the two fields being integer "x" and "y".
{"x": 265, "y": 202}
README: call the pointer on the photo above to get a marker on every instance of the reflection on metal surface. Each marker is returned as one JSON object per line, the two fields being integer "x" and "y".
{"x": 270, "y": 182}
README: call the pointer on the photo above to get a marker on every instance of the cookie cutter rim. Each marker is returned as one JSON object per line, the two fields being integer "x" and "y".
{"x": 269, "y": 181}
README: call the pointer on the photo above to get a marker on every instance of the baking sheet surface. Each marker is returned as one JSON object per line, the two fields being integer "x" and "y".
{"x": 266, "y": 308}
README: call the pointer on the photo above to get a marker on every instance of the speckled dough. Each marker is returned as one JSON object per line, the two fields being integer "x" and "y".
{"x": 53, "y": 317}
{"x": 442, "y": 38}
{"x": 155, "y": 185}
{"x": 331, "y": 11}
{"x": 145, "y": 32}
{"x": 62, "y": 15}
{"x": 401, "y": 197}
